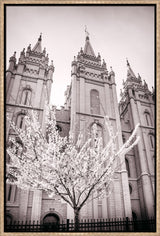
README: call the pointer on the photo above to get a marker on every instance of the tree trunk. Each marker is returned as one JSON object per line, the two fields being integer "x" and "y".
{"x": 76, "y": 219}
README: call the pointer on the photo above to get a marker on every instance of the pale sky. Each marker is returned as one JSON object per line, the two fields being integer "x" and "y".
{"x": 116, "y": 32}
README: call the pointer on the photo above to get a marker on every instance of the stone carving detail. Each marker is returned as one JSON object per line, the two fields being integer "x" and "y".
{"x": 30, "y": 71}
{"x": 145, "y": 96}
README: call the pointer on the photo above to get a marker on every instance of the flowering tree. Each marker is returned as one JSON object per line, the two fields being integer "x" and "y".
{"x": 60, "y": 166}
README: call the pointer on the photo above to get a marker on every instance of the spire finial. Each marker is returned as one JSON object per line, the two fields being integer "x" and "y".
{"x": 23, "y": 51}
{"x": 99, "y": 56}
{"x": 104, "y": 64}
{"x": 127, "y": 62}
{"x": 86, "y": 33}
{"x": 29, "y": 47}
{"x": 40, "y": 37}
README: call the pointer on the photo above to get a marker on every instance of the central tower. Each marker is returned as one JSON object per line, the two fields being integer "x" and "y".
{"x": 91, "y": 96}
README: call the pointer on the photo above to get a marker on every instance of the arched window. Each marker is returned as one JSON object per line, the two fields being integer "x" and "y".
{"x": 94, "y": 102}
{"x": 51, "y": 218}
{"x": 127, "y": 167}
{"x": 147, "y": 118}
{"x": 26, "y": 97}
{"x": 98, "y": 130}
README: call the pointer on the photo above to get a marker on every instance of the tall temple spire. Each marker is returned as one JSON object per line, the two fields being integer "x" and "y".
{"x": 38, "y": 46}
{"x": 88, "y": 48}
{"x": 130, "y": 72}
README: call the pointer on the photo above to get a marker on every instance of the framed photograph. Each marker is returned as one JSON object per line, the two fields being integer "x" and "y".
{"x": 79, "y": 117}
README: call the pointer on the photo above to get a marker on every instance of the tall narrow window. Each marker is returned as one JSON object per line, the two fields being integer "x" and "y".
{"x": 147, "y": 119}
{"x": 153, "y": 159}
{"x": 151, "y": 140}
{"x": 127, "y": 167}
{"x": 94, "y": 102}
{"x": 99, "y": 211}
{"x": 99, "y": 192}
{"x": 20, "y": 121}
{"x": 15, "y": 195}
{"x": 9, "y": 192}
{"x": 130, "y": 188}
{"x": 26, "y": 97}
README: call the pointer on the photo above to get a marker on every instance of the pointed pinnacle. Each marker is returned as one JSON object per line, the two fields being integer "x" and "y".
{"x": 127, "y": 62}
{"x": 40, "y": 37}
{"x": 86, "y": 33}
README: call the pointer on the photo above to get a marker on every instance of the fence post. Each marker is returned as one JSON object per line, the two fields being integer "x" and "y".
{"x": 127, "y": 224}
{"x": 67, "y": 225}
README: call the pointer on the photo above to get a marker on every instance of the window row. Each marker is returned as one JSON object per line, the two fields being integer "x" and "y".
{"x": 20, "y": 124}
{"x": 94, "y": 103}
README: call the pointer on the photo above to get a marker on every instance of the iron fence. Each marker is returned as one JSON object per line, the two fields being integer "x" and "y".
{"x": 103, "y": 225}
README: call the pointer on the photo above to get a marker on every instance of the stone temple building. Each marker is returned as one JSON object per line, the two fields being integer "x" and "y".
{"x": 90, "y": 96}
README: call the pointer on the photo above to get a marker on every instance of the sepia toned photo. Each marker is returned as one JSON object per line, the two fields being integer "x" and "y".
{"x": 80, "y": 118}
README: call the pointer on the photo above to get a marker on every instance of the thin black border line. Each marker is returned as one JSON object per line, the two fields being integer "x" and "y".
{"x": 81, "y": 4}
{"x": 155, "y": 110}
{"x": 4, "y": 92}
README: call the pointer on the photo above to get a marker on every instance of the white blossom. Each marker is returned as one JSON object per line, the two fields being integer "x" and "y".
{"x": 60, "y": 166}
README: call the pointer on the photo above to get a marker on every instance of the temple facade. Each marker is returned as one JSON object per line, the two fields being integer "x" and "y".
{"x": 90, "y": 96}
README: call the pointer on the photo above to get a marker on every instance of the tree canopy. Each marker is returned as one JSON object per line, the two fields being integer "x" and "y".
{"x": 58, "y": 165}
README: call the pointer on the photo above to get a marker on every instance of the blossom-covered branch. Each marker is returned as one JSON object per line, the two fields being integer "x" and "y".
{"x": 58, "y": 165}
